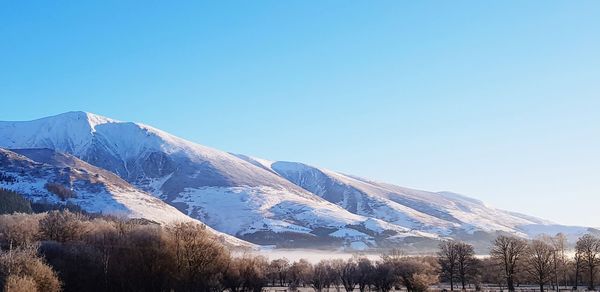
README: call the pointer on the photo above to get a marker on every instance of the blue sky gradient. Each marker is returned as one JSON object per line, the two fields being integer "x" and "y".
{"x": 498, "y": 100}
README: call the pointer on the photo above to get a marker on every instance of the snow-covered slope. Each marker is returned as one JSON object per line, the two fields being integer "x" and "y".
{"x": 218, "y": 188}
{"x": 443, "y": 213}
{"x": 266, "y": 202}
{"x": 435, "y": 212}
{"x": 42, "y": 174}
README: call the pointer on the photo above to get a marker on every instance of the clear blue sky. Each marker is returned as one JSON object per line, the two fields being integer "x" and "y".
{"x": 499, "y": 100}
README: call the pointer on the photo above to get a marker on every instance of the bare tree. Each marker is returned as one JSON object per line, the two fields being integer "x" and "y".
{"x": 200, "y": 260}
{"x": 508, "y": 251}
{"x": 319, "y": 275}
{"x": 298, "y": 274}
{"x": 335, "y": 267}
{"x": 383, "y": 277}
{"x": 588, "y": 247}
{"x": 456, "y": 260}
{"x": 540, "y": 262}
{"x": 492, "y": 272}
{"x": 232, "y": 278}
{"x": 559, "y": 243}
{"x": 349, "y": 274}
{"x": 364, "y": 270}
{"x": 279, "y": 269}
{"x": 466, "y": 262}
{"x": 386, "y": 273}
{"x": 448, "y": 261}
{"x": 577, "y": 265}
{"x": 253, "y": 273}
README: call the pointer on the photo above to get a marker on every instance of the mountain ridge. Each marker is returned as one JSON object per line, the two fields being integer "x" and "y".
{"x": 274, "y": 202}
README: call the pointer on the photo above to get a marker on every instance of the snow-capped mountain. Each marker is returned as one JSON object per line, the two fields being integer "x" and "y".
{"x": 47, "y": 177}
{"x": 284, "y": 203}
{"x": 218, "y": 188}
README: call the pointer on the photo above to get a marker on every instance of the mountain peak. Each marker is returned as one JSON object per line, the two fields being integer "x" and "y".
{"x": 66, "y": 132}
{"x": 92, "y": 119}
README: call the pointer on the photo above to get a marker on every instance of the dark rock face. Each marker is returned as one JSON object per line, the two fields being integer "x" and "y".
{"x": 100, "y": 155}
{"x": 157, "y": 164}
{"x": 316, "y": 182}
{"x": 293, "y": 240}
{"x": 193, "y": 175}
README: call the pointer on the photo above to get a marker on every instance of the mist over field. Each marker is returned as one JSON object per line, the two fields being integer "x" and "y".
{"x": 313, "y": 255}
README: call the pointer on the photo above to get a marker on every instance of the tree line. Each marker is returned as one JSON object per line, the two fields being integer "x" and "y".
{"x": 70, "y": 251}
{"x": 76, "y": 252}
{"x": 514, "y": 261}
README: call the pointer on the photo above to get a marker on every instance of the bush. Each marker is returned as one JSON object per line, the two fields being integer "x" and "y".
{"x": 416, "y": 274}
{"x": 62, "y": 226}
{"x": 23, "y": 266}
{"x": 19, "y": 230}
{"x": 20, "y": 284}
{"x": 253, "y": 271}
{"x": 59, "y": 190}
